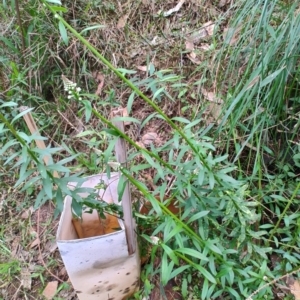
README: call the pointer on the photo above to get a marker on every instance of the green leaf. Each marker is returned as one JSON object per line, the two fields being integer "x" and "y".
{"x": 47, "y": 186}
{"x": 63, "y": 32}
{"x": 58, "y": 168}
{"x": 212, "y": 247}
{"x": 21, "y": 114}
{"x": 9, "y": 104}
{"x": 92, "y": 28}
{"x": 204, "y": 289}
{"x": 166, "y": 269}
{"x": 271, "y": 77}
{"x": 54, "y": 1}
{"x": 184, "y": 288}
{"x": 158, "y": 92}
{"x": 8, "y": 145}
{"x": 111, "y": 131}
{"x": 24, "y": 177}
{"x": 59, "y": 8}
{"x": 59, "y": 200}
{"x": 181, "y": 120}
{"x": 130, "y": 102}
{"x": 197, "y": 216}
{"x": 206, "y": 274}
{"x": 233, "y": 293}
{"x": 9, "y": 44}
{"x": 125, "y": 71}
{"x": 170, "y": 253}
{"x": 178, "y": 271}
{"x": 192, "y": 252}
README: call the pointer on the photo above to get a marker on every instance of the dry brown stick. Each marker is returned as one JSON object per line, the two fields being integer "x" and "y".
{"x": 34, "y": 130}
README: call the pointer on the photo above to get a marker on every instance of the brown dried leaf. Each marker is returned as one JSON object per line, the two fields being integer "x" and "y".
{"x": 35, "y": 242}
{"x": 122, "y": 22}
{"x": 125, "y": 114}
{"x": 205, "y": 47}
{"x": 27, "y": 213}
{"x": 193, "y": 57}
{"x": 223, "y": 3}
{"x": 210, "y": 96}
{"x": 100, "y": 79}
{"x": 206, "y": 30}
{"x": 295, "y": 289}
{"x": 149, "y": 138}
{"x": 142, "y": 68}
{"x": 189, "y": 45}
{"x": 26, "y": 278}
{"x": 50, "y": 290}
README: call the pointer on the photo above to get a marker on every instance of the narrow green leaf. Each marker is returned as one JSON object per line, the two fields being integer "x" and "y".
{"x": 212, "y": 247}
{"x": 193, "y": 253}
{"x": 130, "y": 102}
{"x": 92, "y": 28}
{"x": 206, "y": 274}
{"x": 204, "y": 289}
{"x": 47, "y": 186}
{"x": 197, "y": 216}
{"x": 170, "y": 253}
{"x": 54, "y": 1}
{"x": 59, "y": 8}
{"x": 271, "y": 77}
{"x": 178, "y": 271}
{"x": 21, "y": 114}
{"x": 63, "y": 32}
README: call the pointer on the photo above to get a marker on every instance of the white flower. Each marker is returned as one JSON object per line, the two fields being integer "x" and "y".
{"x": 155, "y": 240}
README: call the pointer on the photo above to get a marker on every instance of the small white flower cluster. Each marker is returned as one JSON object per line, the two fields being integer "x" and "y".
{"x": 71, "y": 88}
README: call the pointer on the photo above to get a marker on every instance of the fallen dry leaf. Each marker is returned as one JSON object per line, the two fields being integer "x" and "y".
{"x": 122, "y": 22}
{"x": 193, "y": 57}
{"x": 204, "y": 47}
{"x": 125, "y": 114}
{"x": 50, "y": 290}
{"x": 142, "y": 68}
{"x": 189, "y": 45}
{"x": 174, "y": 9}
{"x": 35, "y": 242}
{"x": 210, "y": 96}
{"x": 26, "y": 278}
{"x": 223, "y": 3}
{"x": 120, "y": 112}
{"x": 27, "y": 213}
{"x": 100, "y": 80}
{"x": 206, "y": 30}
{"x": 295, "y": 289}
{"x": 149, "y": 138}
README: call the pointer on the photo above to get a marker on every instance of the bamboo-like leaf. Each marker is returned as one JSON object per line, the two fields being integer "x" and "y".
{"x": 63, "y": 32}
{"x": 197, "y": 216}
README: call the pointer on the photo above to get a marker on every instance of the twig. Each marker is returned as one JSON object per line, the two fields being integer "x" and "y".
{"x": 272, "y": 282}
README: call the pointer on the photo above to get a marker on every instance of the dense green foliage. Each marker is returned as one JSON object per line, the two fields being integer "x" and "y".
{"x": 236, "y": 181}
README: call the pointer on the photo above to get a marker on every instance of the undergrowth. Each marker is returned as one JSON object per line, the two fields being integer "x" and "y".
{"x": 234, "y": 180}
